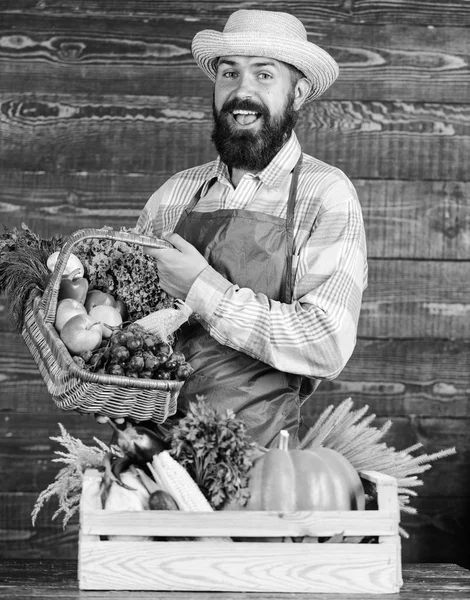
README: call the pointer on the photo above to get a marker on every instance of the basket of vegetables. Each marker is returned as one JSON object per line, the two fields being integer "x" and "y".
{"x": 96, "y": 322}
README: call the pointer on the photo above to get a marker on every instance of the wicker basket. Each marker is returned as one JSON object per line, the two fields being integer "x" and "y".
{"x": 73, "y": 388}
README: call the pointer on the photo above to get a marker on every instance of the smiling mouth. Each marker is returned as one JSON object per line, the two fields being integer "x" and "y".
{"x": 245, "y": 117}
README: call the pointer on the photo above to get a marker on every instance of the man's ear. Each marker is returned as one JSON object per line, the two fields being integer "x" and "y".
{"x": 301, "y": 90}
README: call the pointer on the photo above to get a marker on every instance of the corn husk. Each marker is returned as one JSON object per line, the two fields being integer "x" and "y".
{"x": 165, "y": 322}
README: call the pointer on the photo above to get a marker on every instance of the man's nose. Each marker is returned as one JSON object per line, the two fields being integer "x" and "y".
{"x": 245, "y": 87}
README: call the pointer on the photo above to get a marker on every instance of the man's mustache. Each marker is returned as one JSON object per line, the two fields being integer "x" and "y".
{"x": 246, "y": 104}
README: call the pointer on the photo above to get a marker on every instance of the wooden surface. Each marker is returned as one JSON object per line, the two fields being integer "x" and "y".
{"x": 57, "y": 579}
{"x": 101, "y": 102}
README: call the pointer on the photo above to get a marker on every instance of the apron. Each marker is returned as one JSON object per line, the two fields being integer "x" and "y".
{"x": 253, "y": 250}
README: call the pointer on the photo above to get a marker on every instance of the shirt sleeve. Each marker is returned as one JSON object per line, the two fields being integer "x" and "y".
{"x": 315, "y": 335}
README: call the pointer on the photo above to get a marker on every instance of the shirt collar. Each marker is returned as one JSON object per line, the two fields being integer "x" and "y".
{"x": 274, "y": 174}
{"x": 282, "y": 164}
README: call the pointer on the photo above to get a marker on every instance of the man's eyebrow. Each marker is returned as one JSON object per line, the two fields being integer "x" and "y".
{"x": 225, "y": 61}
{"x": 266, "y": 63}
{"x": 234, "y": 63}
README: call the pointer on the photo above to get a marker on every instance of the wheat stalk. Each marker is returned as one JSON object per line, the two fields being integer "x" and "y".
{"x": 67, "y": 485}
{"x": 350, "y": 433}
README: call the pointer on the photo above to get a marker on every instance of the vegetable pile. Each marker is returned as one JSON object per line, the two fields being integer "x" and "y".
{"x": 145, "y": 468}
{"x": 205, "y": 461}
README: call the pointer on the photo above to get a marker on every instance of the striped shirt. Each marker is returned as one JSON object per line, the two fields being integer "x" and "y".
{"x": 314, "y": 335}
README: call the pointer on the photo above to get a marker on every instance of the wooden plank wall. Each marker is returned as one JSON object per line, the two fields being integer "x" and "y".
{"x": 101, "y": 101}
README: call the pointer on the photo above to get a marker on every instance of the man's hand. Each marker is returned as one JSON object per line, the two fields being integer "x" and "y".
{"x": 179, "y": 267}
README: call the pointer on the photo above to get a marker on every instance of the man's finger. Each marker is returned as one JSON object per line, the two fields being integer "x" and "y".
{"x": 155, "y": 252}
{"x": 103, "y": 419}
{"x": 178, "y": 242}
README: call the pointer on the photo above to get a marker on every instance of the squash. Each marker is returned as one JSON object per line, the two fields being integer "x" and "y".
{"x": 292, "y": 480}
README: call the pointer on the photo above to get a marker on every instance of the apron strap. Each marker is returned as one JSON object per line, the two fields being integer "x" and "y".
{"x": 194, "y": 200}
{"x": 288, "y": 283}
{"x": 308, "y": 386}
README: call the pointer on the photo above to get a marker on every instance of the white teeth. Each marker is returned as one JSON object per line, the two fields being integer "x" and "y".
{"x": 244, "y": 112}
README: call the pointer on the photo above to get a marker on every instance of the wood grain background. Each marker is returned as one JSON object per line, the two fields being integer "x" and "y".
{"x": 101, "y": 101}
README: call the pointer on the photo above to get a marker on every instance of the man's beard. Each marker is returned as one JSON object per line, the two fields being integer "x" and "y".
{"x": 247, "y": 150}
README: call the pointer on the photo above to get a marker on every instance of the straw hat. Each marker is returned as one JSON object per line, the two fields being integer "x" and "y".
{"x": 270, "y": 34}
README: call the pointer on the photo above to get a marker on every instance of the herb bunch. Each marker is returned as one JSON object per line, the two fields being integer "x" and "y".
{"x": 123, "y": 270}
{"x": 216, "y": 450}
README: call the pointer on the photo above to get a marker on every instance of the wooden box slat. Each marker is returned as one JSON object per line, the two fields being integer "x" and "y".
{"x": 249, "y": 567}
{"x": 245, "y": 523}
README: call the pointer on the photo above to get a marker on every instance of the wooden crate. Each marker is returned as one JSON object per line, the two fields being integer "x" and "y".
{"x": 224, "y": 565}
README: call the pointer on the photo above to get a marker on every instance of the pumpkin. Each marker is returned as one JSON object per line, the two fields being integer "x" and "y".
{"x": 292, "y": 480}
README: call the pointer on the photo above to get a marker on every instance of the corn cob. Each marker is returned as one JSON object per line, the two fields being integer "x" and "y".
{"x": 175, "y": 480}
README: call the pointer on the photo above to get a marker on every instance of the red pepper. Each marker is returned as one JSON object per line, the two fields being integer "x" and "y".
{"x": 73, "y": 286}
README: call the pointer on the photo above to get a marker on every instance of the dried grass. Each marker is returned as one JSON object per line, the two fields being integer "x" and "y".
{"x": 350, "y": 432}
{"x": 67, "y": 485}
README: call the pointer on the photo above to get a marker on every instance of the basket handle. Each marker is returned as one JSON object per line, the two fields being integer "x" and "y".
{"x": 49, "y": 298}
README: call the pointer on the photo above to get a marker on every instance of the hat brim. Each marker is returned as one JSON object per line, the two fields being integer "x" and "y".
{"x": 315, "y": 63}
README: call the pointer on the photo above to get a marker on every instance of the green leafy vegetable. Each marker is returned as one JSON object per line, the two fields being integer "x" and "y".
{"x": 216, "y": 451}
{"x": 123, "y": 270}
{"x": 23, "y": 267}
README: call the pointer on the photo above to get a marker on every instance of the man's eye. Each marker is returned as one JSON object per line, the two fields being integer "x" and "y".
{"x": 229, "y": 74}
{"x": 265, "y": 76}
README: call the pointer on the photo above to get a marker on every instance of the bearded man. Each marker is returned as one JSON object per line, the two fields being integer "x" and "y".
{"x": 267, "y": 243}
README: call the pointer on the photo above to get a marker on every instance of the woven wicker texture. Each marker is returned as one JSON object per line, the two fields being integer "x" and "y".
{"x": 73, "y": 388}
